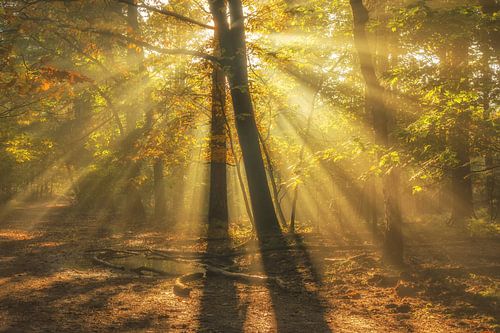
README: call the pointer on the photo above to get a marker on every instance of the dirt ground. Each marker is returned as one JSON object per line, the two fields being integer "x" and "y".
{"x": 49, "y": 283}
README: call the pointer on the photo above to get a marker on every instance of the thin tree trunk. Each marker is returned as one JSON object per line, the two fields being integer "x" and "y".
{"x": 160, "y": 198}
{"x": 233, "y": 46}
{"x": 374, "y": 100}
{"x": 274, "y": 186}
{"x": 291, "y": 227}
{"x": 239, "y": 174}
{"x": 370, "y": 215}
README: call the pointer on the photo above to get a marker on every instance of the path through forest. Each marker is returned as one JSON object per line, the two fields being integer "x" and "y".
{"x": 49, "y": 283}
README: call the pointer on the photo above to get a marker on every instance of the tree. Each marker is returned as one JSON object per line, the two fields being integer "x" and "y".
{"x": 461, "y": 182}
{"x": 375, "y": 101}
{"x": 234, "y": 59}
{"x": 488, "y": 45}
{"x": 133, "y": 208}
{"x": 217, "y": 210}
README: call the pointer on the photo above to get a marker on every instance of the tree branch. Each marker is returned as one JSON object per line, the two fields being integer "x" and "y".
{"x": 169, "y": 13}
{"x": 128, "y": 39}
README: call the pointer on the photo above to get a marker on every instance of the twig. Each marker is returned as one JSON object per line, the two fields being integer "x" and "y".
{"x": 168, "y": 13}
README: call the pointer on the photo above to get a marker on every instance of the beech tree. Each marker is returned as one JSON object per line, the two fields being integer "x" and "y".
{"x": 375, "y": 102}
{"x": 231, "y": 36}
{"x": 218, "y": 209}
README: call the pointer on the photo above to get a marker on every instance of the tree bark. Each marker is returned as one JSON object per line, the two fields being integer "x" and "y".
{"x": 461, "y": 181}
{"x": 134, "y": 61}
{"x": 234, "y": 59}
{"x": 490, "y": 7}
{"x": 274, "y": 186}
{"x": 160, "y": 198}
{"x": 489, "y": 44}
{"x": 381, "y": 115}
{"x": 239, "y": 175}
{"x": 134, "y": 210}
{"x": 300, "y": 163}
{"x": 217, "y": 210}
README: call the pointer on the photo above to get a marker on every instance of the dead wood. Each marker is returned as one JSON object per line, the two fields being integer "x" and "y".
{"x": 183, "y": 290}
{"x": 107, "y": 263}
{"x": 139, "y": 270}
{"x": 346, "y": 260}
{"x": 142, "y": 269}
{"x": 254, "y": 279}
{"x": 180, "y": 287}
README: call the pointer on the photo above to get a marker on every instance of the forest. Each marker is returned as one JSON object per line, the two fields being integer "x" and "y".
{"x": 249, "y": 166}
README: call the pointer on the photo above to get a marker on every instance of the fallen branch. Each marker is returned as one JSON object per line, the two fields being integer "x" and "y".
{"x": 139, "y": 270}
{"x": 183, "y": 290}
{"x": 114, "y": 251}
{"x": 257, "y": 279}
{"x": 108, "y": 264}
{"x": 180, "y": 287}
{"x": 346, "y": 260}
{"x": 196, "y": 255}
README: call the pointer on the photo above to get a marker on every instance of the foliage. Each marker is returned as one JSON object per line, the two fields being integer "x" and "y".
{"x": 482, "y": 226}
{"x": 84, "y": 94}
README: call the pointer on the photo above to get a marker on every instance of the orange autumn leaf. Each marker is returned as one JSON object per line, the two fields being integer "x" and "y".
{"x": 45, "y": 86}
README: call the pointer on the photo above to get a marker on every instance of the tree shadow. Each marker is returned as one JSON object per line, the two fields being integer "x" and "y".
{"x": 64, "y": 306}
{"x": 447, "y": 286}
{"x": 299, "y": 308}
{"x": 45, "y": 275}
{"x": 454, "y": 272}
{"x": 220, "y": 308}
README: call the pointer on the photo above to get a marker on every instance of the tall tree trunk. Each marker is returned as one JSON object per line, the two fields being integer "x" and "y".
{"x": 374, "y": 100}
{"x": 217, "y": 210}
{"x": 78, "y": 159}
{"x": 488, "y": 44}
{"x": 134, "y": 62}
{"x": 461, "y": 181}
{"x": 159, "y": 188}
{"x": 234, "y": 58}
{"x": 134, "y": 208}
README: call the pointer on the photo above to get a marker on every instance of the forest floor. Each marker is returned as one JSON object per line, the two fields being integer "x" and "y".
{"x": 49, "y": 283}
